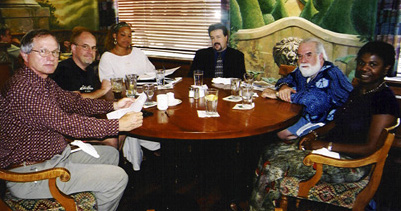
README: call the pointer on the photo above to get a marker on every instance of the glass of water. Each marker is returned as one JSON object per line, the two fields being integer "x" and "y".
{"x": 149, "y": 90}
{"x": 247, "y": 96}
{"x": 248, "y": 78}
{"x": 130, "y": 84}
{"x": 160, "y": 77}
{"x": 211, "y": 99}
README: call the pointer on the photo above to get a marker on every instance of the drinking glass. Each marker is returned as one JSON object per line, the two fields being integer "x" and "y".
{"x": 247, "y": 96}
{"x": 211, "y": 99}
{"x": 249, "y": 78}
{"x": 117, "y": 87}
{"x": 235, "y": 84}
{"x": 160, "y": 77}
{"x": 130, "y": 84}
{"x": 198, "y": 77}
{"x": 149, "y": 90}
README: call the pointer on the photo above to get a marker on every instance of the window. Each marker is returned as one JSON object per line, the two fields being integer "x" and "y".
{"x": 172, "y": 28}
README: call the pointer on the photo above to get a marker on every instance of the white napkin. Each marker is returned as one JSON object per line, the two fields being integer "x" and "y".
{"x": 203, "y": 114}
{"x": 326, "y": 152}
{"x": 85, "y": 147}
{"x": 233, "y": 98}
{"x": 225, "y": 81}
{"x": 242, "y": 107}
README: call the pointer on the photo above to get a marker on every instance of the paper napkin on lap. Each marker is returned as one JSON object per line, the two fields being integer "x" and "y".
{"x": 326, "y": 152}
{"x": 88, "y": 148}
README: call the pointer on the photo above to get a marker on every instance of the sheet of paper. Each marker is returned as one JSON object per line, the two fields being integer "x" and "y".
{"x": 326, "y": 152}
{"x": 152, "y": 75}
{"x": 135, "y": 107}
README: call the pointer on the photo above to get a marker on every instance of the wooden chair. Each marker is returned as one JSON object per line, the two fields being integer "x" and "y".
{"x": 354, "y": 195}
{"x": 284, "y": 70}
{"x": 78, "y": 201}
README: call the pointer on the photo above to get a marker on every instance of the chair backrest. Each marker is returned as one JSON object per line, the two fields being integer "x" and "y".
{"x": 286, "y": 69}
{"x": 379, "y": 159}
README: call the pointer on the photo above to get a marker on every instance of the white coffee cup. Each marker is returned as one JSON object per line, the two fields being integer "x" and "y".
{"x": 170, "y": 98}
{"x": 162, "y": 102}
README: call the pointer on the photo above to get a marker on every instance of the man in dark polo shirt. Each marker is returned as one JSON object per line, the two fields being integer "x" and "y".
{"x": 77, "y": 73}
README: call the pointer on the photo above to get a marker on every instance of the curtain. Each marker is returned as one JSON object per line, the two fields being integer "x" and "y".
{"x": 388, "y": 28}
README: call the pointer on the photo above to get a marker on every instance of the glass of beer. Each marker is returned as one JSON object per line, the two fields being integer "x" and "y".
{"x": 117, "y": 87}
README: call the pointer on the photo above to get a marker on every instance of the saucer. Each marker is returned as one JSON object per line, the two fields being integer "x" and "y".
{"x": 149, "y": 104}
{"x": 175, "y": 102}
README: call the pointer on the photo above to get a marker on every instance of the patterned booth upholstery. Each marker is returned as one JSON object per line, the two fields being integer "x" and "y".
{"x": 84, "y": 201}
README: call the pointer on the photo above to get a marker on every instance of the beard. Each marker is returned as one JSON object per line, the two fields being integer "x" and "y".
{"x": 308, "y": 70}
{"x": 87, "y": 59}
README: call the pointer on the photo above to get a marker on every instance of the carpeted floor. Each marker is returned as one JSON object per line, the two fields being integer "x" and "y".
{"x": 190, "y": 177}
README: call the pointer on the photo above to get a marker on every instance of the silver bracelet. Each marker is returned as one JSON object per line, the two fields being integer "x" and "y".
{"x": 314, "y": 133}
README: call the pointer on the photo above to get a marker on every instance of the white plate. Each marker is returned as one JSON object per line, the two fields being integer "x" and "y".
{"x": 176, "y": 102}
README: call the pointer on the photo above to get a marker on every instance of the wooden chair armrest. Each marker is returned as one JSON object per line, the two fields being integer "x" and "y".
{"x": 51, "y": 174}
{"x": 63, "y": 173}
{"x": 310, "y": 159}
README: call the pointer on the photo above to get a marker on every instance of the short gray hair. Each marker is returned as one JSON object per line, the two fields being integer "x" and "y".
{"x": 27, "y": 39}
{"x": 319, "y": 46}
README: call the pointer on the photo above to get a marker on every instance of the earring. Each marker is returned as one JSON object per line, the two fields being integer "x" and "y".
{"x": 115, "y": 42}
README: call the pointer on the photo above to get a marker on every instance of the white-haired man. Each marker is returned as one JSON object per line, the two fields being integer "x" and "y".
{"x": 317, "y": 84}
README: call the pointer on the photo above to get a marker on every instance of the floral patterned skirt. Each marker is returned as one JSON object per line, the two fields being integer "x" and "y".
{"x": 280, "y": 160}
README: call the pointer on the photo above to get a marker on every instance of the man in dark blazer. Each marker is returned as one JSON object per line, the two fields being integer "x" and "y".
{"x": 233, "y": 65}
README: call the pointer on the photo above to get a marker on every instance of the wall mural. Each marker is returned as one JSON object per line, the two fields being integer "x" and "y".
{"x": 356, "y": 17}
{"x": 348, "y": 17}
{"x": 66, "y": 14}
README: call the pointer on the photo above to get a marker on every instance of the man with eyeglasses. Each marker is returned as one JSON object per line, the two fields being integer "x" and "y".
{"x": 78, "y": 73}
{"x": 316, "y": 83}
{"x": 36, "y": 116}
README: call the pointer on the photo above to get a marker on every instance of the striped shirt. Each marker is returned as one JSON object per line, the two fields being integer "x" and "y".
{"x": 36, "y": 115}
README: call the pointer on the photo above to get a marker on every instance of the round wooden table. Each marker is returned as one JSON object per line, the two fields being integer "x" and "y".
{"x": 182, "y": 121}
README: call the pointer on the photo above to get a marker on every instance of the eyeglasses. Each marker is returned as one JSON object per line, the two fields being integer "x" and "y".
{"x": 45, "y": 53}
{"x": 87, "y": 47}
{"x": 307, "y": 56}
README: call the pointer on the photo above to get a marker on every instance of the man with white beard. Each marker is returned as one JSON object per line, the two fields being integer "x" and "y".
{"x": 316, "y": 83}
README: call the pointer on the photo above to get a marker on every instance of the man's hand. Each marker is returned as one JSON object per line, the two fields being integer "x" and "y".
{"x": 269, "y": 93}
{"x": 130, "y": 121}
{"x": 123, "y": 103}
{"x": 285, "y": 93}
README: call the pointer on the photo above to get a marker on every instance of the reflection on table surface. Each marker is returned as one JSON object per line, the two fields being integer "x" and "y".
{"x": 182, "y": 121}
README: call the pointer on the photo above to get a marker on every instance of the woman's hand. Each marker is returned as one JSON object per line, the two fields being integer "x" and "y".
{"x": 306, "y": 139}
{"x": 312, "y": 144}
